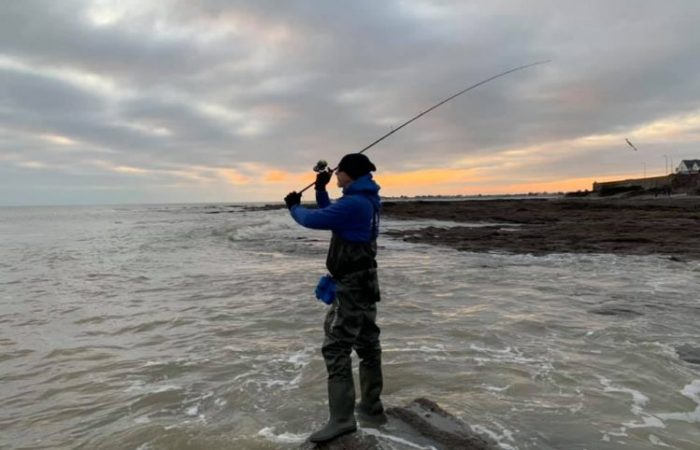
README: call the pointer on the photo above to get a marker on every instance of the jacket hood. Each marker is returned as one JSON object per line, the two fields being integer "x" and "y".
{"x": 366, "y": 187}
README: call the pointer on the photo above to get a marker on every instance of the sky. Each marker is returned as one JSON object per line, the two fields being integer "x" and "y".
{"x": 141, "y": 101}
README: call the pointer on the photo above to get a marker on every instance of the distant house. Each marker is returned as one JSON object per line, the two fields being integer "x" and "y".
{"x": 689, "y": 166}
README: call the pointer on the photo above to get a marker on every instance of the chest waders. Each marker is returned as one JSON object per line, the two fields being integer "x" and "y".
{"x": 351, "y": 324}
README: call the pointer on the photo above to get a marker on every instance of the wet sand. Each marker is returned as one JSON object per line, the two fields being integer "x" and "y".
{"x": 668, "y": 226}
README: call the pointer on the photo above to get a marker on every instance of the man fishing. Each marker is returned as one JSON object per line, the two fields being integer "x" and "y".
{"x": 351, "y": 320}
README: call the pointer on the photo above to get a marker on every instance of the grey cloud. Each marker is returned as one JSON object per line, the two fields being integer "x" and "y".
{"x": 615, "y": 66}
{"x": 54, "y": 33}
{"x": 38, "y": 96}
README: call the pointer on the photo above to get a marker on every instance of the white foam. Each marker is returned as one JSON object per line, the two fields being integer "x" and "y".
{"x": 244, "y": 374}
{"x": 376, "y": 433}
{"x": 166, "y": 388}
{"x": 511, "y": 355}
{"x": 620, "y": 433}
{"x": 422, "y": 349}
{"x": 136, "y": 386}
{"x": 154, "y": 363}
{"x": 275, "y": 383}
{"x": 295, "y": 381}
{"x": 431, "y": 353}
{"x": 656, "y": 441}
{"x": 507, "y": 350}
{"x": 506, "y": 434}
{"x": 140, "y": 386}
{"x": 300, "y": 359}
{"x": 638, "y": 398}
{"x": 284, "y": 438}
{"x": 496, "y": 388}
{"x": 273, "y": 223}
{"x": 692, "y": 391}
{"x": 446, "y": 294}
{"x": 648, "y": 421}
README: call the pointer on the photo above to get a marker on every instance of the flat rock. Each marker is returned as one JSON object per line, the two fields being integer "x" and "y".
{"x": 649, "y": 226}
{"x": 689, "y": 353}
{"x": 420, "y": 424}
{"x": 615, "y": 311}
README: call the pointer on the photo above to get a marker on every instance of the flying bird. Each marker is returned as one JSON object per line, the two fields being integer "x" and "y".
{"x": 631, "y": 144}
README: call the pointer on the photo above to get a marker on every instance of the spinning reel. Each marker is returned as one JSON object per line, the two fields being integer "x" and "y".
{"x": 321, "y": 166}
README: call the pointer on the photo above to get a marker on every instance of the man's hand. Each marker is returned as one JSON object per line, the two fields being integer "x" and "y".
{"x": 293, "y": 198}
{"x": 322, "y": 179}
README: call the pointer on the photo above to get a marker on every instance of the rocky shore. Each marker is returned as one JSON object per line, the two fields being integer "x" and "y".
{"x": 668, "y": 226}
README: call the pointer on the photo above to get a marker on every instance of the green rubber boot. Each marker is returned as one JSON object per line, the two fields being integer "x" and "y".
{"x": 341, "y": 402}
{"x": 370, "y": 408}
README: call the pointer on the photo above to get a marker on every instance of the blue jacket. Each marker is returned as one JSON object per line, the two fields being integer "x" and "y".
{"x": 353, "y": 217}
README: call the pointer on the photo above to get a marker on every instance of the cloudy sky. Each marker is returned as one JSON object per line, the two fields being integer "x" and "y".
{"x": 144, "y": 101}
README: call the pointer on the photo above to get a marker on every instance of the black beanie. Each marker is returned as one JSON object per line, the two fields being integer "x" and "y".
{"x": 356, "y": 165}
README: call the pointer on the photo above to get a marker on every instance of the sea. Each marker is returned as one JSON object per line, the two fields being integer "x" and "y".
{"x": 196, "y": 327}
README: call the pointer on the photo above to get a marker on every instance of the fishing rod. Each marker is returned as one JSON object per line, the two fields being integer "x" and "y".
{"x": 323, "y": 165}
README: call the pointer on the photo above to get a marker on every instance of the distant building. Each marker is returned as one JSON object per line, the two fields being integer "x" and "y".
{"x": 689, "y": 166}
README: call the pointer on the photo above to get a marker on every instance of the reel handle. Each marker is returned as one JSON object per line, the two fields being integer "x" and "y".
{"x": 321, "y": 166}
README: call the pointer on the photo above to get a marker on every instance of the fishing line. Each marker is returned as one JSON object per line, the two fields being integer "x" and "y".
{"x": 322, "y": 165}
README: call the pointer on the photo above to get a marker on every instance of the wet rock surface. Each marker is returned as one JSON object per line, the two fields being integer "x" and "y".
{"x": 689, "y": 353}
{"x": 420, "y": 424}
{"x": 635, "y": 226}
{"x": 615, "y": 311}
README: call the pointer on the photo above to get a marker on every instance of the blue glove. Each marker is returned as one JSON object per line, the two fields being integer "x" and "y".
{"x": 322, "y": 179}
{"x": 325, "y": 291}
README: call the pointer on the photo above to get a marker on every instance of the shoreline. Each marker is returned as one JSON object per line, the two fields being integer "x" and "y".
{"x": 667, "y": 226}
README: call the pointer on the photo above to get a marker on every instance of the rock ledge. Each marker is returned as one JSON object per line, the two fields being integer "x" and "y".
{"x": 422, "y": 424}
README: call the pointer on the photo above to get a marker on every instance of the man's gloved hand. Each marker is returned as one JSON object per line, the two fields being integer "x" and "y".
{"x": 293, "y": 198}
{"x": 322, "y": 179}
